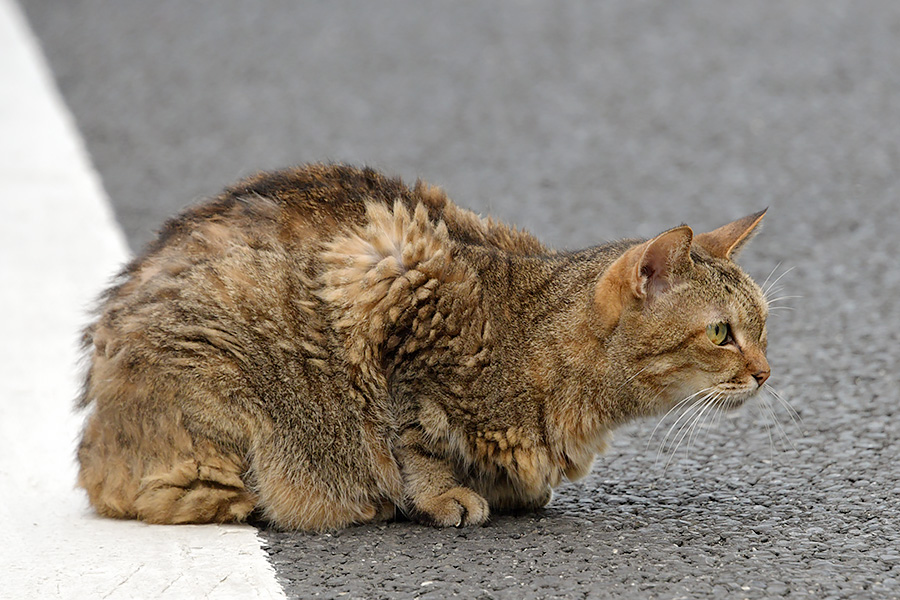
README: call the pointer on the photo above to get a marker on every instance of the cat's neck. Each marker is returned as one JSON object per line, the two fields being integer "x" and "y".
{"x": 541, "y": 308}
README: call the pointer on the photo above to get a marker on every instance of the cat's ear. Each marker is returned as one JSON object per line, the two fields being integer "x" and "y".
{"x": 728, "y": 240}
{"x": 661, "y": 261}
{"x": 642, "y": 272}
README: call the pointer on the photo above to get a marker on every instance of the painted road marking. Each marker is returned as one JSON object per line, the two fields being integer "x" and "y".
{"x": 59, "y": 245}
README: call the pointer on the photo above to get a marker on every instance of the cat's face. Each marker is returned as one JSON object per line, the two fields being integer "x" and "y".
{"x": 706, "y": 337}
{"x": 689, "y": 322}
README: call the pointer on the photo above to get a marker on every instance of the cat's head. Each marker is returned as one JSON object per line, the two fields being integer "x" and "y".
{"x": 683, "y": 319}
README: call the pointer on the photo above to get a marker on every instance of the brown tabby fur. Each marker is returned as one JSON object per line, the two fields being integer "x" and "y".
{"x": 327, "y": 346}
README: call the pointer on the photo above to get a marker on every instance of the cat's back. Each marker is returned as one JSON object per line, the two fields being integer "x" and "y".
{"x": 263, "y": 251}
{"x": 306, "y": 206}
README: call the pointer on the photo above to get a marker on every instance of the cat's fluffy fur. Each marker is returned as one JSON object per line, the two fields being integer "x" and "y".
{"x": 328, "y": 346}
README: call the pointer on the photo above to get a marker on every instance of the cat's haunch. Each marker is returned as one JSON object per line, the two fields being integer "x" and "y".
{"x": 325, "y": 346}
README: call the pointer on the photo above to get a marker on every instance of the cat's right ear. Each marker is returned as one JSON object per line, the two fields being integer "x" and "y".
{"x": 726, "y": 241}
{"x": 643, "y": 272}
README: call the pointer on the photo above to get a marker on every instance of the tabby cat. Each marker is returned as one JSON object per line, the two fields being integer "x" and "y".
{"x": 324, "y": 346}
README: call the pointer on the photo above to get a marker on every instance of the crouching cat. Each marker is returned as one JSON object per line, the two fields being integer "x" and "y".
{"x": 326, "y": 346}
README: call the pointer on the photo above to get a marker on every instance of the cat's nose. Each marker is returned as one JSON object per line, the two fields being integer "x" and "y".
{"x": 761, "y": 376}
{"x": 758, "y": 365}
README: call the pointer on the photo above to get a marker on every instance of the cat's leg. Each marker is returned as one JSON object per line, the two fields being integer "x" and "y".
{"x": 504, "y": 497}
{"x": 203, "y": 488}
{"x": 138, "y": 460}
{"x": 295, "y": 496}
{"x": 324, "y": 463}
{"x": 431, "y": 489}
{"x": 162, "y": 478}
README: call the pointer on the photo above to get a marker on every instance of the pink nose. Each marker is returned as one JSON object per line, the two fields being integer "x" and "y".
{"x": 761, "y": 376}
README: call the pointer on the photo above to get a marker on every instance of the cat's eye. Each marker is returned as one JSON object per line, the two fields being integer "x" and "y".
{"x": 718, "y": 333}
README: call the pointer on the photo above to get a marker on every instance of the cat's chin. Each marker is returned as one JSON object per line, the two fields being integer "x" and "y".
{"x": 733, "y": 400}
{"x": 724, "y": 397}
{"x": 729, "y": 404}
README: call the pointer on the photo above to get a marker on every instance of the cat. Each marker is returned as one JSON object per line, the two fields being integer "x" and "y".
{"x": 324, "y": 346}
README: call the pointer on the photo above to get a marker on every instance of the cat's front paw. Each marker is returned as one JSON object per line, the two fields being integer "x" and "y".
{"x": 454, "y": 508}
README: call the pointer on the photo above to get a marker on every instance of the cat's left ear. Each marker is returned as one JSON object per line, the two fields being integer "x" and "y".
{"x": 643, "y": 272}
{"x": 728, "y": 240}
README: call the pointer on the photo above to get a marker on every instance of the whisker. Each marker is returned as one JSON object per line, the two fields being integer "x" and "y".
{"x": 678, "y": 405}
{"x": 771, "y": 285}
{"x": 692, "y": 408}
{"x": 688, "y": 426}
{"x": 795, "y": 416}
{"x": 681, "y": 403}
{"x": 762, "y": 404}
{"x": 662, "y": 443}
{"x": 712, "y": 420}
{"x": 703, "y": 410}
{"x": 699, "y": 422}
{"x": 681, "y": 432}
{"x": 782, "y": 434}
{"x": 763, "y": 286}
{"x": 774, "y": 291}
{"x": 778, "y": 427}
{"x": 719, "y": 415}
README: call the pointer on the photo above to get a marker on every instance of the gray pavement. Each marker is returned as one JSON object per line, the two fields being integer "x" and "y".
{"x": 581, "y": 121}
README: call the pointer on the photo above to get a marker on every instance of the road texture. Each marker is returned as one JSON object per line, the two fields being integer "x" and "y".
{"x": 581, "y": 121}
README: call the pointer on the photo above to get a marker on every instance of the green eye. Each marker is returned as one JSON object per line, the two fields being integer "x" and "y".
{"x": 718, "y": 333}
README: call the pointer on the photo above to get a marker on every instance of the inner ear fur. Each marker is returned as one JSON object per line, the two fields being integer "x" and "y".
{"x": 728, "y": 240}
{"x": 643, "y": 272}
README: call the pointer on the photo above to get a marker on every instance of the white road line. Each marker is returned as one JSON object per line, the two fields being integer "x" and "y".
{"x": 59, "y": 244}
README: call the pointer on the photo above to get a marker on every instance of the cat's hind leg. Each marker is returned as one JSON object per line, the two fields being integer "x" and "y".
{"x": 505, "y": 497}
{"x": 202, "y": 489}
{"x": 327, "y": 483}
{"x": 153, "y": 469}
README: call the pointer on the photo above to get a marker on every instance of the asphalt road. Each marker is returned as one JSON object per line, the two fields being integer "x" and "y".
{"x": 581, "y": 121}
